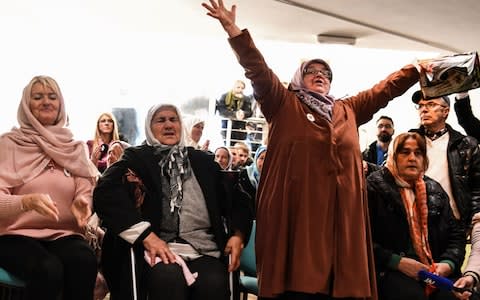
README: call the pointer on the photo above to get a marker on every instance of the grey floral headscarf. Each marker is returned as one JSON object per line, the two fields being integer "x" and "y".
{"x": 174, "y": 164}
{"x": 319, "y": 103}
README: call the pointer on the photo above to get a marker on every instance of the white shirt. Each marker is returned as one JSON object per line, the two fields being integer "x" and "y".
{"x": 438, "y": 167}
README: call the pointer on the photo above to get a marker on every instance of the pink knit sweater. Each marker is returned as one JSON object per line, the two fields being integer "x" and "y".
{"x": 63, "y": 190}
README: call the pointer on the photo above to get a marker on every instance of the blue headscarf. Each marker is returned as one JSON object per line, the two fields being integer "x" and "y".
{"x": 252, "y": 170}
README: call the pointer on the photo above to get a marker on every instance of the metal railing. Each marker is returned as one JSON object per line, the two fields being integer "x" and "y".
{"x": 250, "y": 131}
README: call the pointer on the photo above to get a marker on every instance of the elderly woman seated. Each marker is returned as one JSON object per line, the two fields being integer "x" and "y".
{"x": 413, "y": 227}
{"x": 180, "y": 229}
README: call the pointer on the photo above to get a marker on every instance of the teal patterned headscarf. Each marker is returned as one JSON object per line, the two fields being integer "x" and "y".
{"x": 321, "y": 104}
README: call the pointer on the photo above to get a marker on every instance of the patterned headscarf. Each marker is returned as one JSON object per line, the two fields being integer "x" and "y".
{"x": 317, "y": 102}
{"x": 174, "y": 163}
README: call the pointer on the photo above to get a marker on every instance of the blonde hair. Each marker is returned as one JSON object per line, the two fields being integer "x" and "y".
{"x": 46, "y": 82}
{"x": 241, "y": 82}
{"x": 244, "y": 147}
{"x": 114, "y": 136}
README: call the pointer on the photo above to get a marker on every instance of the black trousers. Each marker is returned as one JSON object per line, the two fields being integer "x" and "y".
{"x": 162, "y": 281}
{"x": 394, "y": 285}
{"x": 168, "y": 282}
{"x": 66, "y": 266}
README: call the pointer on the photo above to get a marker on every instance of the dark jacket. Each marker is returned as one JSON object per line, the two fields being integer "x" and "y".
{"x": 464, "y": 172}
{"x": 391, "y": 234}
{"x": 114, "y": 203}
{"x": 246, "y": 186}
{"x": 466, "y": 119}
{"x": 224, "y": 111}
{"x": 370, "y": 154}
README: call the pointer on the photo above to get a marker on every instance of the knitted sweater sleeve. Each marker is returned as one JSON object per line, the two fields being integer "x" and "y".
{"x": 10, "y": 205}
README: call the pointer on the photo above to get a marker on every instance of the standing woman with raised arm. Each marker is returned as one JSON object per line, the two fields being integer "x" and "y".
{"x": 313, "y": 234}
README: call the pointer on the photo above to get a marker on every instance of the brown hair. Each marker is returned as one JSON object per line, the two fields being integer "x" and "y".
{"x": 399, "y": 143}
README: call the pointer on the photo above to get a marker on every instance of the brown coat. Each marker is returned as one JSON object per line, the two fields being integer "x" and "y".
{"x": 313, "y": 233}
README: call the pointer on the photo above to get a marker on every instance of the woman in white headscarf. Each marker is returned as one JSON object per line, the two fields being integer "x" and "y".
{"x": 178, "y": 221}
{"x": 193, "y": 130}
{"x": 46, "y": 183}
{"x": 223, "y": 157}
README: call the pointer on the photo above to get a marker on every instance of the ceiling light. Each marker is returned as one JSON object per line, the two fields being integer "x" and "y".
{"x": 335, "y": 39}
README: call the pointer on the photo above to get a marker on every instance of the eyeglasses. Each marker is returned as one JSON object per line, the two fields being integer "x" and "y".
{"x": 325, "y": 73}
{"x": 428, "y": 105}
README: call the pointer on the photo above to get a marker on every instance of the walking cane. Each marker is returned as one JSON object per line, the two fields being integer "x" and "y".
{"x": 134, "y": 277}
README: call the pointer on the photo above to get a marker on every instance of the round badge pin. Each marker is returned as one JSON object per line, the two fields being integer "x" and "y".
{"x": 310, "y": 117}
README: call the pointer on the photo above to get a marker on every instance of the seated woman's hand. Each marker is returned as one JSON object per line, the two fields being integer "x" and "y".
{"x": 157, "y": 247}
{"x": 234, "y": 248}
{"x": 82, "y": 211}
{"x": 41, "y": 203}
{"x": 411, "y": 267}
{"x": 96, "y": 153}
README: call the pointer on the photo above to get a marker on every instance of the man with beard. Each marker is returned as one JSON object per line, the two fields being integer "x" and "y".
{"x": 376, "y": 153}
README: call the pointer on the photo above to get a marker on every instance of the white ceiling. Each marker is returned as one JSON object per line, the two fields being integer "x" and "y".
{"x": 426, "y": 25}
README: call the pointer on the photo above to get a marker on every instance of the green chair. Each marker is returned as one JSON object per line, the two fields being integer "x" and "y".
{"x": 248, "y": 268}
{"x": 11, "y": 287}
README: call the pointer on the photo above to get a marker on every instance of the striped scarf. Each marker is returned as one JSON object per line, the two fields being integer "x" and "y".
{"x": 175, "y": 168}
{"x": 415, "y": 203}
{"x": 417, "y": 216}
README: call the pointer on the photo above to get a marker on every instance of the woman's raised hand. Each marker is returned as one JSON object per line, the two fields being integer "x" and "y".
{"x": 226, "y": 17}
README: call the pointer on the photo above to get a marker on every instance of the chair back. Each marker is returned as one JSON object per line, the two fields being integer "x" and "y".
{"x": 11, "y": 287}
{"x": 247, "y": 259}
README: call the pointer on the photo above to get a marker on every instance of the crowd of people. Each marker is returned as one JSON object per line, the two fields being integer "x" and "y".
{"x": 332, "y": 221}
